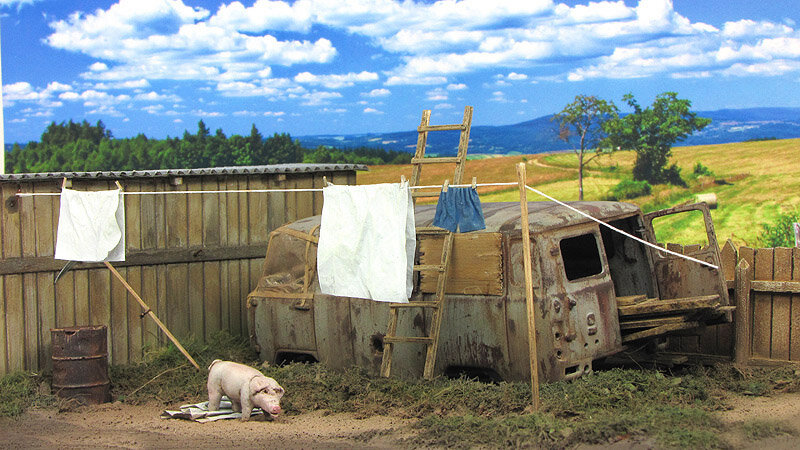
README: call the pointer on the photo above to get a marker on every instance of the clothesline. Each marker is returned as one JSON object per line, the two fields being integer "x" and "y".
{"x": 239, "y": 191}
{"x": 254, "y": 191}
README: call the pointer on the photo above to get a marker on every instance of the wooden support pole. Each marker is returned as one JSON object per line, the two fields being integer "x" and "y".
{"x": 151, "y": 314}
{"x": 528, "y": 269}
{"x": 742, "y": 327}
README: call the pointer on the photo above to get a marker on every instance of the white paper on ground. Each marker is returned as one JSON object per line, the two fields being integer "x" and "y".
{"x": 91, "y": 226}
{"x": 367, "y": 240}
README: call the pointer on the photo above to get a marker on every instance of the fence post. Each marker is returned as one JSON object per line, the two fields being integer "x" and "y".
{"x": 742, "y": 329}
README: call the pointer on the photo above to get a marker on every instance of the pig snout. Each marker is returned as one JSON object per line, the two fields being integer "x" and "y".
{"x": 267, "y": 402}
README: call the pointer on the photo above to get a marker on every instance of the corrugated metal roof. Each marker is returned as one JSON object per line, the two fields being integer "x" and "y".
{"x": 235, "y": 170}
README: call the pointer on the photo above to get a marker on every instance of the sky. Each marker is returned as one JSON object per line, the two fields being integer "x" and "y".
{"x": 365, "y": 66}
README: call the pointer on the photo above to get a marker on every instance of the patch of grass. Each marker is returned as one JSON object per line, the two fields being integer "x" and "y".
{"x": 164, "y": 374}
{"x": 762, "y": 429}
{"x": 20, "y": 390}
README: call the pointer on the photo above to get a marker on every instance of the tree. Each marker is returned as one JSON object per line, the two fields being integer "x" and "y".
{"x": 651, "y": 133}
{"x": 586, "y": 115}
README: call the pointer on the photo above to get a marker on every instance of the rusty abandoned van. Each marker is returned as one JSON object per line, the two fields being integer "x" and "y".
{"x": 583, "y": 274}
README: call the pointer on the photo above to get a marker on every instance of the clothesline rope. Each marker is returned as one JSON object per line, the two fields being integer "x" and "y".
{"x": 624, "y": 233}
{"x": 254, "y": 191}
{"x": 433, "y": 186}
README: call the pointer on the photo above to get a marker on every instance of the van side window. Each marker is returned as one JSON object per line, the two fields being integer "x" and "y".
{"x": 581, "y": 256}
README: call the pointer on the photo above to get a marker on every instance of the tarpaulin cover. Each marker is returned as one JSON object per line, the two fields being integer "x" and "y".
{"x": 366, "y": 242}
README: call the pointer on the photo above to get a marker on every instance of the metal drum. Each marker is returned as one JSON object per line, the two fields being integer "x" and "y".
{"x": 80, "y": 363}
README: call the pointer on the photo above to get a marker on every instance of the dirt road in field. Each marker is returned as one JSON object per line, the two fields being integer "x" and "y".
{"x": 119, "y": 425}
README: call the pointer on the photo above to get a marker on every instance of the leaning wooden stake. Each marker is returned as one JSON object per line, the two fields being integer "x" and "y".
{"x": 150, "y": 313}
{"x": 528, "y": 269}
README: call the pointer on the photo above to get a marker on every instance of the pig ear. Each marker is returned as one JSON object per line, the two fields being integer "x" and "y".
{"x": 257, "y": 385}
{"x": 279, "y": 390}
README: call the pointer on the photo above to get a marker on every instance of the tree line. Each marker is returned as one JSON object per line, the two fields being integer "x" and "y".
{"x": 84, "y": 147}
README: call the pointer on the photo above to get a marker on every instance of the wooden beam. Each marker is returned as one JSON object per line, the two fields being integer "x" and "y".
{"x": 22, "y": 265}
{"x": 529, "y": 301}
{"x": 670, "y": 306}
{"x": 788, "y": 287}
{"x": 742, "y": 349}
{"x": 149, "y": 312}
{"x": 658, "y": 331}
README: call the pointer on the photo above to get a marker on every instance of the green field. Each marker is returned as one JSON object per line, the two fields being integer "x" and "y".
{"x": 754, "y": 182}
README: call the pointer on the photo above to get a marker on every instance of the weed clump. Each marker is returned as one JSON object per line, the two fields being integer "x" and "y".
{"x": 21, "y": 390}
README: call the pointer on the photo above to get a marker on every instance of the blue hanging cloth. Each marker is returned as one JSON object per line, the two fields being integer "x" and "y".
{"x": 459, "y": 208}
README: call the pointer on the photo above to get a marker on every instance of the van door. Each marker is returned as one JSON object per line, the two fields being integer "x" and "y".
{"x": 677, "y": 277}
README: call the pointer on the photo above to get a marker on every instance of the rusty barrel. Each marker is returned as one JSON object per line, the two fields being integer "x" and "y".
{"x": 80, "y": 363}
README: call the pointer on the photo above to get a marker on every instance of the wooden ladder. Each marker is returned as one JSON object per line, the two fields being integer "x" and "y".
{"x": 437, "y": 305}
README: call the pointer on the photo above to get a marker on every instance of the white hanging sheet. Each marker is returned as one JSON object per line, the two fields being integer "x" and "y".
{"x": 91, "y": 226}
{"x": 367, "y": 241}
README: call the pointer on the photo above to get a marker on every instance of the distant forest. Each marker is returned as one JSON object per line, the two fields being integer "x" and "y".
{"x": 78, "y": 147}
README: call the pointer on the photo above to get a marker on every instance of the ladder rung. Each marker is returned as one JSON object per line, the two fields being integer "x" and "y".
{"x": 442, "y": 160}
{"x": 429, "y": 267}
{"x": 418, "y": 339}
{"x": 415, "y": 305}
{"x": 458, "y": 126}
{"x": 431, "y": 230}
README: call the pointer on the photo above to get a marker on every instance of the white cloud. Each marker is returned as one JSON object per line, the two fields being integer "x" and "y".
{"x": 153, "y": 96}
{"x": 16, "y": 3}
{"x": 335, "y": 81}
{"x": 93, "y": 98}
{"x": 165, "y": 39}
{"x": 319, "y": 97}
{"x": 372, "y": 111}
{"x": 380, "y": 92}
{"x": 98, "y": 67}
{"x": 436, "y": 95}
{"x": 236, "y": 47}
{"x": 201, "y": 113}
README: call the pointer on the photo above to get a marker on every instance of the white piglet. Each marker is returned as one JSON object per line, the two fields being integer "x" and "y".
{"x": 245, "y": 386}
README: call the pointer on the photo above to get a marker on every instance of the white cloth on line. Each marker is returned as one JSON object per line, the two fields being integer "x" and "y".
{"x": 91, "y": 226}
{"x": 367, "y": 241}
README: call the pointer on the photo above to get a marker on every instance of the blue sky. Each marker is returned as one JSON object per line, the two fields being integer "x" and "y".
{"x": 358, "y": 66}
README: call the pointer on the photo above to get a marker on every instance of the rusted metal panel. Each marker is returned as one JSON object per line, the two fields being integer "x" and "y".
{"x": 476, "y": 267}
{"x": 80, "y": 364}
{"x": 677, "y": 277}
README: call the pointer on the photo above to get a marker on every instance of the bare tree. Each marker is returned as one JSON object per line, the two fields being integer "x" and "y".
{"x": 584, "y": 119}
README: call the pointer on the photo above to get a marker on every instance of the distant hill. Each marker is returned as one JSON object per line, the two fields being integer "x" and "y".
{"x": 540, "y": 135}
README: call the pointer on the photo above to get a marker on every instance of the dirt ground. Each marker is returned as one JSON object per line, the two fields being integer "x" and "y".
{"x": 119, "y": 425}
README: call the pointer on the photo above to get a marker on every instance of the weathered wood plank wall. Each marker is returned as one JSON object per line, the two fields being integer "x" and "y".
{"x": 774, "y": 320}
{"x": 192, "y": 257}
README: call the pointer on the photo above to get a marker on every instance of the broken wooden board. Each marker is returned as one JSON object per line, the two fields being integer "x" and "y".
{"x": 658, "y": 331}
{"x": 671, "y": 306}
{"x": 476, "y": 266}
{"x": 631, "y": 300}
{"x": 649, "y": 323}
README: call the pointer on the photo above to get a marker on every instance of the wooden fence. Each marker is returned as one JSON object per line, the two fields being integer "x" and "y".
{"x": 766, "y": 291}
{"x": 192, "y": 257}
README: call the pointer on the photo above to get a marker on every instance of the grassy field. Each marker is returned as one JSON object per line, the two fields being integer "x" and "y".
{"x": 753, "y": 181}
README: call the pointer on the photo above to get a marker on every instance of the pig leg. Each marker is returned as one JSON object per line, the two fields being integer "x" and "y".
{"x": 246, "y": 402}
{"x": 214, "y": 397}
